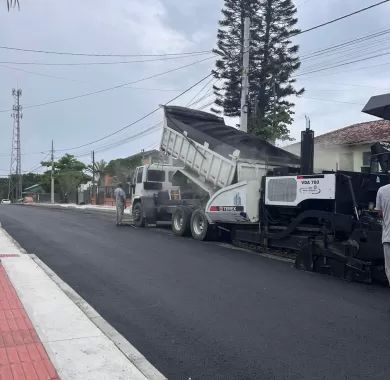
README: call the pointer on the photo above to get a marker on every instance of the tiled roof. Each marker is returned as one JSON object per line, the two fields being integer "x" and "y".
{"x": 146, "y": 153}
{"x": 362, "y": 133}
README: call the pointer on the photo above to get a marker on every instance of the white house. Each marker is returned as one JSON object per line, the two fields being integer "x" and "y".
{"x": 346, "y": 148}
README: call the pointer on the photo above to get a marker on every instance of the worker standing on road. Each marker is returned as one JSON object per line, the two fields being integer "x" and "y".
{"x": 120, "y": 202}
{"x": 383, "y": 206}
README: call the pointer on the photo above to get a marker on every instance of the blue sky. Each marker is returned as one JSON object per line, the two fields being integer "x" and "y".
{"x": 333, "y": 98}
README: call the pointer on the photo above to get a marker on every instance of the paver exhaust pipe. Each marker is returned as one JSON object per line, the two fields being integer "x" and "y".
{"x": 307, "y": 151}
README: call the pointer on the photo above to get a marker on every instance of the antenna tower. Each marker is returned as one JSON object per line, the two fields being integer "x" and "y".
{"x": 15, "y": 170}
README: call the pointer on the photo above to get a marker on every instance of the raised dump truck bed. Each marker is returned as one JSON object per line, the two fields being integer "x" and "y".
{"x": 212, "y": 151}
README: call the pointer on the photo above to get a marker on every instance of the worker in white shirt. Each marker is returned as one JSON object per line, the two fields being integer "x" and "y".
{"x": 120, "y": 202}
{"x": 383, "y": 206}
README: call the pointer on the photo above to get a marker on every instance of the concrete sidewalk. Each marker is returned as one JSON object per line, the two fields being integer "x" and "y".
{"x": 48, "y": 332}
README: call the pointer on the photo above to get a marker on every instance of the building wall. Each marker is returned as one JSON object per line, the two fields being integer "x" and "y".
{"x": 151, "y": 157}
{"x": 333, "y": 157}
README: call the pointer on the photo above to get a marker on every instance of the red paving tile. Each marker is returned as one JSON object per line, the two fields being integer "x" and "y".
{"x": 22, "y": 355}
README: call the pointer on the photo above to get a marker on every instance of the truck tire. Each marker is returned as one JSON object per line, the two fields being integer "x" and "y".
{"x": 138, "y": 215}
{"x": 199, "y": 225}
{"x": 181, "y": 219}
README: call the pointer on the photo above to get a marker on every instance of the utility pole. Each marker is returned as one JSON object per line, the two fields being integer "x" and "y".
{"x": 272, "y": 141}
{"x": 16, "y": 154}
{"x": 52, "y": 173}
{"x": 93, "y": 175}
{"x": 245, "y": 79}
{"x": 274, "y": 103}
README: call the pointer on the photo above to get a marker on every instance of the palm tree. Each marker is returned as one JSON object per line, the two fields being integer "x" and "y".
{"x": 12, "y": 4}
{"x": 100, "y": 170}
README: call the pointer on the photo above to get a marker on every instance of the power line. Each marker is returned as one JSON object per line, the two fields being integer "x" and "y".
{"x": 100, "y": 63}
{"x": 340, "y": 18}
{"x": 177, "y": 54}
{"x": 38, "y": 166}
{"x": 205, "y": 96}
{"x": 345, "y": 59}
{"x": 122, "y": 141}
{"x": 78, "y": 81}
{"x": 352, "y": 85}
{"x": 342, "y": 64}
{"x": 200, "y": 91}
{"x": 138, "y": 120}
{"x": 344, "y": 44}
{"x": 110, "y": 88}
{"x": 103, "y": 54}
{"x": 206, "y": 105}
{"x": 41, "y": 74}
{"x": 346, "y": 52}
{"x": 354, "y": 69}
{"x": 332, "y": 47}
{"x": 116, "y": 144}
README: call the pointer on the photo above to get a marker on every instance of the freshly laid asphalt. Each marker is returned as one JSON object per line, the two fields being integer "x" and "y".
{"x": 208, "y": 311}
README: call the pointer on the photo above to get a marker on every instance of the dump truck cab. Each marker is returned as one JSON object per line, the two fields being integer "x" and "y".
{"x": 149, "y": 180}
{"x": 151, "y": 183}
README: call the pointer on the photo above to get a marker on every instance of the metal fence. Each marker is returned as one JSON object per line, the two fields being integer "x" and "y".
{"x": 46, "y": 198}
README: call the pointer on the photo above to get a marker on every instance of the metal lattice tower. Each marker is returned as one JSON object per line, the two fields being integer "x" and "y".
{"x": 15, "y": 170}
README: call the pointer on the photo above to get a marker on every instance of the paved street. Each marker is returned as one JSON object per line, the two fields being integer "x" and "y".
{"x": 206, "y": 311}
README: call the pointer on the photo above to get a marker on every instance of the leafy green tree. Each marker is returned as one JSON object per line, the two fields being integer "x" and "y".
{"x": 30, "y": 179}
{"x": 69, "y": 173}
{"x": 273, "y": 60}
{"x": 122, "y": 169}
{"x": 230, "y": 42}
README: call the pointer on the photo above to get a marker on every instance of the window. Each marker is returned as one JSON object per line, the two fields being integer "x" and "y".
{"x": 156, "y": 176}
{"x": 366, "y": 158}
{"x": 139, "y": 175}
{"x": 368, "y": 163}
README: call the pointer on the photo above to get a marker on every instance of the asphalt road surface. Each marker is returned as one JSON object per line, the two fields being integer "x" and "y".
{"x": 206, "y": 311}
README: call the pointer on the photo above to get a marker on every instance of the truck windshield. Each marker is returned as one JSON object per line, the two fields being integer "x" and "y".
{"x": 156, "y": 176}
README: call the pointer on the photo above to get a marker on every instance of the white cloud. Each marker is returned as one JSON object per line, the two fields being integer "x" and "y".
{"x": 142, "y": 25}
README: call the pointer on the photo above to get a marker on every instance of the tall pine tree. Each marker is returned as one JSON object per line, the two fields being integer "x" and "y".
{"x": 273, "y": 60}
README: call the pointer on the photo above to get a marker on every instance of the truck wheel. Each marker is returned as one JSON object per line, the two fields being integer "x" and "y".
{"x": 181, "y": 218}
{"x": 138, "y": 215}
{"x": 199, "y": 225}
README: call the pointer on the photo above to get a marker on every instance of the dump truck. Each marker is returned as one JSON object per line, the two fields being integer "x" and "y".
{"x": 237, "y": 184}
{"x": 219, "y": 172}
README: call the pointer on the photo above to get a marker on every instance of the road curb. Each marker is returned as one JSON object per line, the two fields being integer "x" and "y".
{"x": 71, "y": 207}
{"x": 84, "y": 208}
{"x": 134, "y": 356}
{"x": 21, "y": 249}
